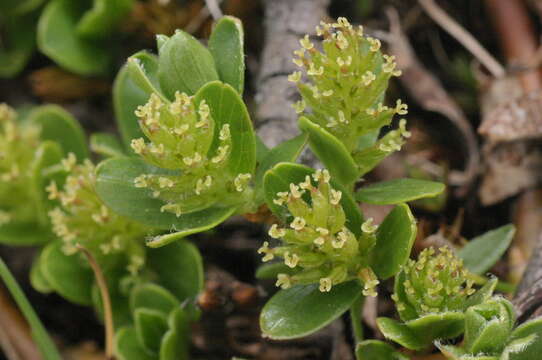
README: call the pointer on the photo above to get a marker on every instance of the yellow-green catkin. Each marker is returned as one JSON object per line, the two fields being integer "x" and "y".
{"x": 316, "y": 241}
{"x": 345, "y": 85}
{"x": 435, "y": 283}
{"x": 182, "y": 141}
{"x": 82, "y": 218}
{"x": 19, "y": 200}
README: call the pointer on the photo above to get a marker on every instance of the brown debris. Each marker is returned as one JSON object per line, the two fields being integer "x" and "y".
{"x": 53, "y": 84}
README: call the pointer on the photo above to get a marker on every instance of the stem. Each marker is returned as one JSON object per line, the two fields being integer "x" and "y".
{"x": 463, "y": 36}
{"x": 355, "y": 317}
{"x": 502, "y": 286}
{"x": 106, "y": 300}
{"x": 39, "y": 333}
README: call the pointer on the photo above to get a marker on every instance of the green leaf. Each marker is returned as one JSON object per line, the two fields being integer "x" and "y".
{"x": 107, "y": 145}
{"x": 127, "y": 346}
{"x": 532, "y": 328}
{"x": 483, "y": 294}
{"x": 394, "y": 240}
{"x": 406, "y": 311}
{"x": 226, "y": 44}
{"x": 143, "y": 71}
{"x": 270, "y": 271}
{"x": 433, "y": 327}
{"x": 20, "y": 234}
{"x": 127, "y": 96}
{"x": 331, "y": 152}
{"x": 482, "y": 252}
{"x": 227, "y": 107}
{"x": 66, "y": 274}
{"x": 377, "y": 350}
{"x": 37, "y": 279}
{"x": 303, "y": 309}
{"x": 261, "y": 150}
{"x": 59, "y": 125}
{"x": 45, "y": 344}
{"x": 398, "y": 191}
{"x": 18, "y": 44}
{"x": 154, "y": 297}
{"x": 282, "y": 175}
{"x": 175, "y": 343}
{"x": 103, "y": 18}
{"x": 400, "y": 333}
{"x": 185, "y": 65}
{"x": 150, "y": 325}
{"x": 179, "y": 258}
{"x": 59, "y": 40}
{"x": 115, "y": 186}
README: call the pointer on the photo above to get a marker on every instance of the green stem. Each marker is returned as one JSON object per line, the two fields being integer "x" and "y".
{"x": 502, "y": 286}
{"x": 355, "y": 317}
{"x": 39, "y": 334}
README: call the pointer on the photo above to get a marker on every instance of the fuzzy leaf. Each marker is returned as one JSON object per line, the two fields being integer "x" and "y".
{"x": 400, "y": 333}
{"x": 395, "y": 237}
{"x": 143, "y": 71}
{"x": 185, "y": 259}
{"x": 127, "y": 346}
{"x": 226, "y": 44}
{"x": 154, "y": 297}
{"x": 483, "y": 294}
{"x": 103, "y": 18}
{"x": 59, "y": 40}
{"x": 398, "y": 191}
{"x": 282, "y": 175}
{"x": 303, "y": 309}
{"x": 482, "y": 252}
{"x": 433, "y": 327}
{"x": 227, "y": 107}
{"x": 150, "y": 325}
{"x": 115, "y": 186}
{"x": 331, "y": 152}
{"x": 107, "y": 145}
{"x": 59, "y": 125}
{"x": 66, "y": 274}
{"x": 175, "y": 343}
{"x": 377, "y": 350}
{"x": 185, "y": 65}
{"x": 533, "y": 348}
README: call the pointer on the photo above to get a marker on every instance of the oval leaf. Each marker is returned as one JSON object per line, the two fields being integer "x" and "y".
{"x": 66, "y": 274}
{"x": 331, "y": 152}
{"x": 59, "y": 125}
{"x": 103, "y": 18}
{"x": 227, "y": 107}
{"x": 399, "y": 191}
{"x": 183, "y": 258}
{"x": 143, "y": 71}
{"x": 482, "y": 252}
{"x": 377, "y": 350}
{"x": 304, "y": 309}
{"x": 150, "y": 325}
{"x": 107, "y": 145}
{"x": 127, "y": 346}
{"x": 175, "y": 343}
{"x": 185, "y": 65}
{"x": 394, "y": 240}
{"x": 58, "y": 39}
{"x": 154, "y": 297}
{"x": 226, "y": 44}
{"x": 115, "y": 186}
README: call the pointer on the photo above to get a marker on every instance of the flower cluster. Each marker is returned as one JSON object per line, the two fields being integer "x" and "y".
{"x": 82, "y": 218}
{"x": 316, "y": 241}
{"x": 18, "y": 144}
{"x": 347, "y": 82}
{"x": 183, "y": 143}
{"x": 435, "y": 283}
